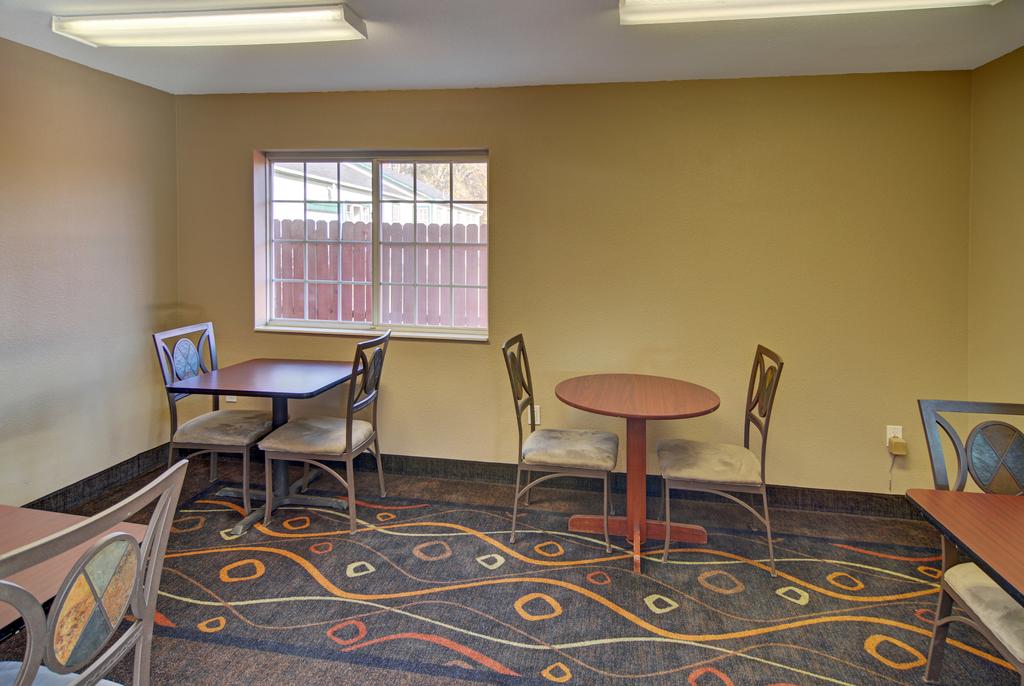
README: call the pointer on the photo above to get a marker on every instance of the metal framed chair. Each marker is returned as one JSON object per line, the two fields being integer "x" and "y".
{"x": 993, "y": 456}
{"x": 217, "y": 431}
{"x": 72, "y": 643}
{"x": 721, "y": 468}
{"x": 318, "y": 440}
{"x": 556, "y": 452}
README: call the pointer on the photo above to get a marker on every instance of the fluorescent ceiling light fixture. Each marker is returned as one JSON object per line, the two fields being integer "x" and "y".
{"x": 677, "y": 11}
{"x": 306, "y": 24}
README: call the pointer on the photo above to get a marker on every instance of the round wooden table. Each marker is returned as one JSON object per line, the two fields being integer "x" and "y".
{"x": 637, "y": 398}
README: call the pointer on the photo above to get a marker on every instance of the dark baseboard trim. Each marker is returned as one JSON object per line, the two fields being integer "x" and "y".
{"x": 91, "y": 487}
{"x": 787, "y": 497}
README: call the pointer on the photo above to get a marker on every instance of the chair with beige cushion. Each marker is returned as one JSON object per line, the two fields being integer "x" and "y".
{"x": 319, "y": 440}
{"x": 112, "y": 586}
{"x": 559, "y": 452}
{"x": 725, "y": 468}
{"x": 993, "y": 456}
{"x": 190, "y": 351}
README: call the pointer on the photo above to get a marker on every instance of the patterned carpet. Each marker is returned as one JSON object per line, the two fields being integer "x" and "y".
{"x": 433, "y": 588}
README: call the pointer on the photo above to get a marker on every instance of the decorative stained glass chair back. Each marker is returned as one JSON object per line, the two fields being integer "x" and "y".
{"x": 993, "y": 454}
{"x": 86, "y": 632}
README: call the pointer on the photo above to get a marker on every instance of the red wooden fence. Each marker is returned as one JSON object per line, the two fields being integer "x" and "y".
{"x": 431, "y": 274}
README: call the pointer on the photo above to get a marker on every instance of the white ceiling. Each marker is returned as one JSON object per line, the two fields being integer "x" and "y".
{"x": 471, "y": 43}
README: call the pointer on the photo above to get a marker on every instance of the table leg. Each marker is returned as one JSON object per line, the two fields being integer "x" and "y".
{"x": 635, "y": 526}
{"x": 280, "y": 418}
{"x": 636, "y": 485}
{"x": 284, "y": 493}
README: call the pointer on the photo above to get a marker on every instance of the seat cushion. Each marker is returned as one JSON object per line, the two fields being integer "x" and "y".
{"x": 44, "y": 677}
{"x": 316, "y": 436}
{"x": 710, "y": 462}
{"x": 225, "y": 427}
{"x": 996, "y": 609}
{"x": 572, "y": 449}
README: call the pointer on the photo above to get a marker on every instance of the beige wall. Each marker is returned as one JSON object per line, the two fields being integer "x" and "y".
{"x": 662, "y": 228}
{"x": 996, "y": 357}
{"x": 87, "y": 262}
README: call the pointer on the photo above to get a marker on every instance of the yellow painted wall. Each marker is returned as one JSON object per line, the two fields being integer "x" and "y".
{"x": 996, "y": 349}
{"x": 663, "y": 228}
{"x": 87, "y": 267}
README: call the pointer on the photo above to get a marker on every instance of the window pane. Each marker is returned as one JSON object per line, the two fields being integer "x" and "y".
{"x": 433, "y": 264}
{"x": 356, "y": 261}
{"x": 433, "y": 213}
{"x": 322, "y": 181}
{"x": 290, "y": 211}
{"x": 356, "y": 303}
{"x": 469, "y": 265}
{"x": 397, "y": 212}
{"x": 323, "y": 301}
{"x": 288, "y": 259}
{"x": 356, "y": 182}
{"x": 398, "y": 305}
{"x": 323, "y": 262}
{"x": 357, "y": 231}
{"x": 289, "y": 300}
{"x": 397, "y": 263}
{"x": 470, "y": 214}
{"x": 322, "y": 230}
{"x": 325, "y": 211}
{"x": 396, "y": 180}
{"x": 357, "y": 212}
{"x": 434, "y": 306}
{"x": 470, "y": 308}
{"x": 286, "y": 181}
{"x": 433, "y": 181}
{"x": 469, "y": 180}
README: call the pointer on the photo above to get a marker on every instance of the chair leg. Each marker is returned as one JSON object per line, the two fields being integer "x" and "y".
{"x": 607, "y": 542}
{"x": 526, "y": 498}
{"x": 515, "y": 507}
{"x": 768, "y": 527}
{"x": 305, "y": 477}
{"x": 246, "y": 503}
{"x": 170, "y": 454}
{"x": 937, "y": 649}
{"x": 380, "y": 467}
{"x": 213, "y": 466}
{"x": 268, "y": 476}
{"x": 143, "y": 651}
{"x": 668, "y": 520}
{"x": 351, "y": 477}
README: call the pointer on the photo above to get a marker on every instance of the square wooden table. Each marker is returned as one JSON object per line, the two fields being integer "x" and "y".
{"x": 281, "y": 381}
{"x": 20, "y": 526}
{"x": 984, "y": 526}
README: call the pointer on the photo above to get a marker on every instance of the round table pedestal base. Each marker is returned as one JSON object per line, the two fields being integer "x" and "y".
{"x": 619, "y": 526}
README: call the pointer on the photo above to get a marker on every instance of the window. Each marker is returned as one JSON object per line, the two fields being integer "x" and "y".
{"x": 361, "y": 243}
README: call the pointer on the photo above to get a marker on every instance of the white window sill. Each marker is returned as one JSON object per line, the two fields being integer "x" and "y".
{"x": 423, "y": 334}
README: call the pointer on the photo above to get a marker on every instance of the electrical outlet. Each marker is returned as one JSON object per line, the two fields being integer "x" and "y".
{"x": 536, "y": 415}
{"x": 892, "y": 432}
{"x": 231, "y": 398}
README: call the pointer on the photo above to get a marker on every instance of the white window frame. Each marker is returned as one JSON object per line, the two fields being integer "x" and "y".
{"x": 263, "y": 253}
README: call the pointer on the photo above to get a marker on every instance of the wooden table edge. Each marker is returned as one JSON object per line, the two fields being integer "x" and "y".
{"x": 175, "y": 388}
{"x": 1015, "y": 593}
{"x": 645, "y": 417}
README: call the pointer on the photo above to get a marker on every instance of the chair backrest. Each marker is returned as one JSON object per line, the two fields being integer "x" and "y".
{"x": 517, "y": 364}
{"x": 764, "y": 384}
{"x": 993, "y": 454}
{"x": 183, "y": 353}
{"x": 364, "y": 387}
{"x": 114, "y": 576}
